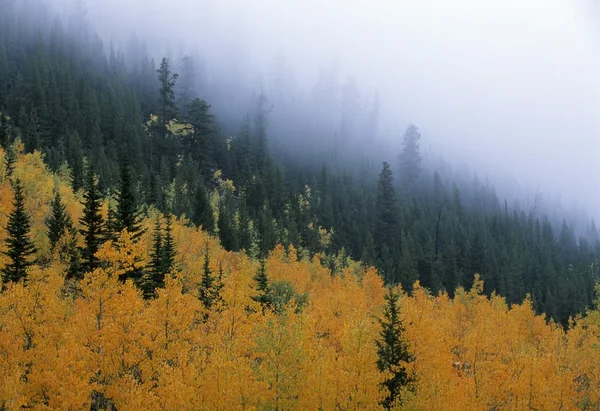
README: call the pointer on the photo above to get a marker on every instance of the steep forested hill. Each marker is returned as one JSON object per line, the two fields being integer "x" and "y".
{"x": 88, "y": 111}
{"x": 149, "y": 259}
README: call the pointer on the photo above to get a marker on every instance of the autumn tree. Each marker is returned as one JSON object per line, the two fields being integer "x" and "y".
{"x": 392, "y": 352}
{"x": 19, "y": 246}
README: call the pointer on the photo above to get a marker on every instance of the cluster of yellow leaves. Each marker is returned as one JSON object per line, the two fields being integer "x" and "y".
{"x": 61, "y": 345}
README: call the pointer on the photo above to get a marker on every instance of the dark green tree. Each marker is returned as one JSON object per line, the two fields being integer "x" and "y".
{"x": 263, "y": 290}
{"x": 168, "y": 108}
{"x": 386, "y": 233}
{"x": 207, "y": 284}
{"x": 203, "y": 213}
{"x": 20, "y": 248}
{"x": 392, "y": 352}
{"x": 92, "y": 224}
{"x": 59, "y": 221}
{"x": 410, "y": 157}
{"x": 155, "y": 277}
{"x": 168, "y": 251}
{"x": 127, "y": 215}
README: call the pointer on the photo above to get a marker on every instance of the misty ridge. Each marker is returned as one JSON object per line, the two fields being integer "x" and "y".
{"x": 506, "y": 91}
{"x": 298, "y": 204}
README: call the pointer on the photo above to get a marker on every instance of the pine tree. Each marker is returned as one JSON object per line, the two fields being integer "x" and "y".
{"x": 207, "y": 284}
{"x": 10, "y": 158}
{"x": 263, "y": 289}
{"x": 168, "y": 251}
{"x": 168, "y": 108}
{"x": 127, "y": 214}
{"x": 93, "y": 224}
{"x": 392, "y": 352}
{"x": 410, "y": 157}
{"x": 4, "y": 134}
{"x": 59, "y": 221}
{"x": 203, "y": 213}
{"x": 19, "y": 246}
{"x": 386, "y": 213}
{"x": 155, "y": 277}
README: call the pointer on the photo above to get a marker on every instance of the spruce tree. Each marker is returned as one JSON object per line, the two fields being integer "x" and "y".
{"x": 386, "y": 233}
{"x": 4, "y": 134}
{"x": 168, "y": 108}
{"x": 207, "y": 284}
{"x": 93, "y": 224}
{"x": 168, "y": 251}
{"x": 203, "y": 213}
{"x": 59, "y": 220}
{"x": 19, "y": 246}
{"x": 10, "y": 158}
{"x": 155, "y": 277}
{"x": 410, "y": 157}
{"x": 263, "y": 289}
{"x": 127, "y": 215}
{"x": 392, "y": 352}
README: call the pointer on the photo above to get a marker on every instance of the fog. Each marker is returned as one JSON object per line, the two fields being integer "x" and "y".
{"x": 508, "y": 88}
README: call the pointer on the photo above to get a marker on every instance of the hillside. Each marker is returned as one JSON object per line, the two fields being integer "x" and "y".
{"x": 97, "y": 342}
{"x": 155, "y": 255}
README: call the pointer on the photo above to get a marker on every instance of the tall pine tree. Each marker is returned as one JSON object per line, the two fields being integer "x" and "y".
{"x": 92, "y": 223}
{"x": 59, "y": 220}
{"x": 19, "y": 246}
{"x": 392, "y": 352}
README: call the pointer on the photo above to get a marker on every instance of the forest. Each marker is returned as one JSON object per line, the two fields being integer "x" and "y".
{"x": 151, "y": 259}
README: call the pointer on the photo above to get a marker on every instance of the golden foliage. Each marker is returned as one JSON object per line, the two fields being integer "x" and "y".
{"x": 61, "y": 347}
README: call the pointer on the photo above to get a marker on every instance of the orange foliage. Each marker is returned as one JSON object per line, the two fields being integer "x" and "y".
{"x": 63, "y": 345}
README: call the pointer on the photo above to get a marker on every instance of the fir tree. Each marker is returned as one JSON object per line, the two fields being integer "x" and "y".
{"x": 207, "y": 284}
{"x": 127, "y": 214}
{"x": 263, "y": 289}
{"x": 392, "y": 352}
{"x": 386, "y": 216}
{"x": 19, "y": 246}
{"x": 4, "y": 134}
{"x": 168, "y": 108}
{"x": 59, "y": 220}
{"x": 203, "y": 213}
{"x": 10, "y": 159}
{"x": 168, "y": 250}
{"x": 410, "y": 157}
{"x": 155, "y": 277}
{"x": 93, "y": 224}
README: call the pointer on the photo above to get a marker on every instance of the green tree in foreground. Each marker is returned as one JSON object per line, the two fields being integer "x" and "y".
{"x": 392, "y": 352}
{"x": 19, "y": 246}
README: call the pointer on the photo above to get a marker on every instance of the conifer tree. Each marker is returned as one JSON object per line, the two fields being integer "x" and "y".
{"x": 207, "y": 285}
{"x": 155, "y": 277}
{"x": 392, "y": 352}
{"x": 386, "y": 233}
{"x": 168, "y": 251}
{"x": 127, "y": 215}
{"x": 59, "y": 220}
{"x": 9, "y": 160}
{"x": 168, "y": 108}
{"x": 203, "y": 213}
{"x": 93, "y": 224}
{"x": 263, "y": 289}
{"x": 19, "y": 246}
{"x": 410, "y": 157}
{"x": 4, "y": 135}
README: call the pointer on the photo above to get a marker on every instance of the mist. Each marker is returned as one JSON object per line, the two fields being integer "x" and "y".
{"x": 507, "y": 90}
